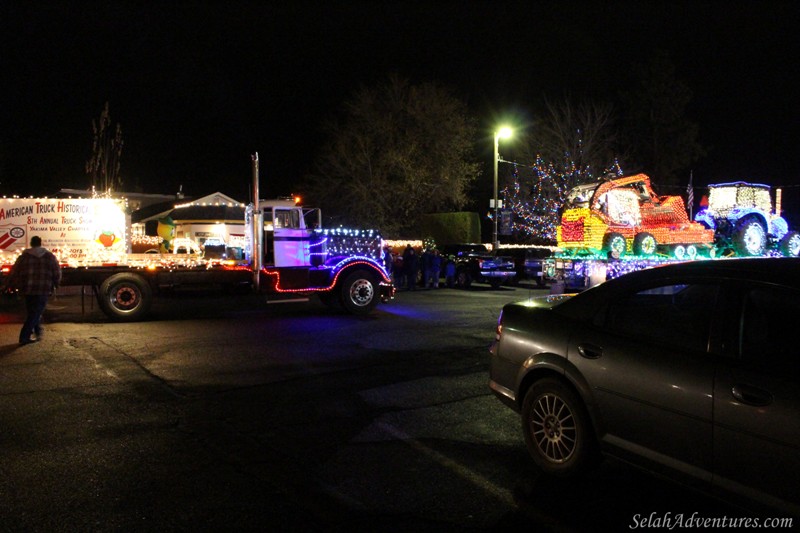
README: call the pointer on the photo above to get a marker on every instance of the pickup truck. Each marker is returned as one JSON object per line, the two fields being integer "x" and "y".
{"x": 475, "y": 263}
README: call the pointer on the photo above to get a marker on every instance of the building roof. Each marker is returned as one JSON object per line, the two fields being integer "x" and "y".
{"x": 213, "y": 208}
{"x": 221, "y": 213}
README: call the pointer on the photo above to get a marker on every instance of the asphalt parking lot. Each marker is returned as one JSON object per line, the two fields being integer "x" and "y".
{"x": 227, "y": 413}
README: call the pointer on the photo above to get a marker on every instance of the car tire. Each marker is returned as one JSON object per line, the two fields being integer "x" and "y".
{"x": 557, "y": 429}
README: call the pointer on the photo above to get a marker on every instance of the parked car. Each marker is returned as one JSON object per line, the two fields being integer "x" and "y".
{"x": 475, "y": 263}
{"x": 535, "y": 258}
{"x": 688, "y": 370}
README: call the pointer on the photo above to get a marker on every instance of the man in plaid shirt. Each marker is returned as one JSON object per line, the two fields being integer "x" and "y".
{"x": 36, "y": 274}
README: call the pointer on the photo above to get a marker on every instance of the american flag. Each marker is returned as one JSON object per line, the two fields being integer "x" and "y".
{"x": 690, "y": 196}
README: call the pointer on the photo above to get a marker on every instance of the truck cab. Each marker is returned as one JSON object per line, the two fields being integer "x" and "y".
{"x": 288, "y": 233}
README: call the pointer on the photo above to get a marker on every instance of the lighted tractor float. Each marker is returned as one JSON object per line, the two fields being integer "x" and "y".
{"x": 625, "y": 217}
{"x": 745, "y": 223}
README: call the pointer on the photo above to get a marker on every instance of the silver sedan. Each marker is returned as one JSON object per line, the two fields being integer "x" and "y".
{"x": 689, "y": 370}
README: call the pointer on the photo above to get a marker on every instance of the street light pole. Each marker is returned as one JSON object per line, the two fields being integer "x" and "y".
{"x": 504, "y": 133}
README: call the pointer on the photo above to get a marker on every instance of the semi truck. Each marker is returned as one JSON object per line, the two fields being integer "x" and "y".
{"x": 287, "y": 255}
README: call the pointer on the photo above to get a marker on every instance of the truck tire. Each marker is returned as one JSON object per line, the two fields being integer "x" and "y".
{"x": 125, "y": 297}
{"x": 359, "y": 292}
{"x": 614, "y": 243}
{"x": 790, "y": 244}
{"x": 644, "y": 244}
{"x": 750, "y": 238}
{"x": 463, "y": 278}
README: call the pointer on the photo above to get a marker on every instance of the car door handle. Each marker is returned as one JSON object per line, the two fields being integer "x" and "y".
{"x": 751, "y": 395}
{"x": 590, "y": 351}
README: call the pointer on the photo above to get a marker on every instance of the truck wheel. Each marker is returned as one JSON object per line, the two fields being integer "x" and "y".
{"x": 463, "y": 279}
{"x": 790, "y": 244}
{"x": 359, "y": 292}
{"x": 644, "y": 244}
{"x": 750, "y": 238}
{"x": 614, "y": 243}
{"x": 125, "y": 297}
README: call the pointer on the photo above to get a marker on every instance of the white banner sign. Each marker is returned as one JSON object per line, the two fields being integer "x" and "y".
{"x": 75, "y": 229}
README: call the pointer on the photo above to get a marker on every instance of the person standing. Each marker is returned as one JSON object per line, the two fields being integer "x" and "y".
{"x": 450, "y": 271}
{"x": 36, "y": 274}
{"x": 434, "y": 269}
{"x": 411, "y": 267}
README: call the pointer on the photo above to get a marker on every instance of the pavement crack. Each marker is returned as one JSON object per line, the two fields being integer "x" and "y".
{"x": 118, "y": 370}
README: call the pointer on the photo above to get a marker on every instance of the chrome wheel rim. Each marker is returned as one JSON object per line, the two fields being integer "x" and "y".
{"x": 362, "y": 292}
{"x": 553, "y": 428}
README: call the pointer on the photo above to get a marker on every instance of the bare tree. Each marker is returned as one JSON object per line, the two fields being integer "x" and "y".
{"x": 399, "y": 151}
{"x": 664, "y": 141}
{"x": 103, "y": 168}
{"x": 570, "y": 145}
{"x": 578, "y": 136}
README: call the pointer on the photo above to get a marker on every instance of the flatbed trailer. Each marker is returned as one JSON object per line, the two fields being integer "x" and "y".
{"x": 288, "y": 255}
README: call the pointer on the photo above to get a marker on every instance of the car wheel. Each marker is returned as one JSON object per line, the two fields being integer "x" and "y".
{"x": 557, "y": 429}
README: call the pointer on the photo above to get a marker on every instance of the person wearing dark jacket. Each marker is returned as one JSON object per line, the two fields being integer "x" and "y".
{"x": 411, "y": 267}
{"x": 36, "y": 274}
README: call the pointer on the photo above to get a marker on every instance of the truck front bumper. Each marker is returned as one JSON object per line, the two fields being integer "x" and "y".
{"x": 387, "y": 291}
{"x": 498, "y": 274}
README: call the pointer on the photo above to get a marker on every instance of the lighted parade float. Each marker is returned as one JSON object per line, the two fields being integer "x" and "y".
{"x": 285, "y": 254}
{"x": 616, "y": 226}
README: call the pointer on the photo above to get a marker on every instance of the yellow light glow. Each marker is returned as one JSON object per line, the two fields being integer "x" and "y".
{"x": 504, "y": 133}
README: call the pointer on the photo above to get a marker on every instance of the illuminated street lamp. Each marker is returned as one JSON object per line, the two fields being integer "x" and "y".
{"x": 502, "y": 133}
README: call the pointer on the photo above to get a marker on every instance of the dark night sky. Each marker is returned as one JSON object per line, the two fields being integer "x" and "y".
{"x": 199, "y": 86}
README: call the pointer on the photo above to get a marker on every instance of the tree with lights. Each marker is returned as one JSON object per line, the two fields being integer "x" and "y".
{"x": 103, "y": 167}
{"x": 399, "y": 151}
{"x": 574, "y": 144}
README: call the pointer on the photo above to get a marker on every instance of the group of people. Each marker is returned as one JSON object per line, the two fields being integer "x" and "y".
{"x": 405, "y": 268}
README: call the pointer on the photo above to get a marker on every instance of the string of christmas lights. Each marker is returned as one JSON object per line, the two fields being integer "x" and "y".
{"x": 535, "y": 201}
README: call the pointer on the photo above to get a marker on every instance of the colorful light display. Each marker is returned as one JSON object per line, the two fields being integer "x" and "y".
{"x": 535, "y": 201}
